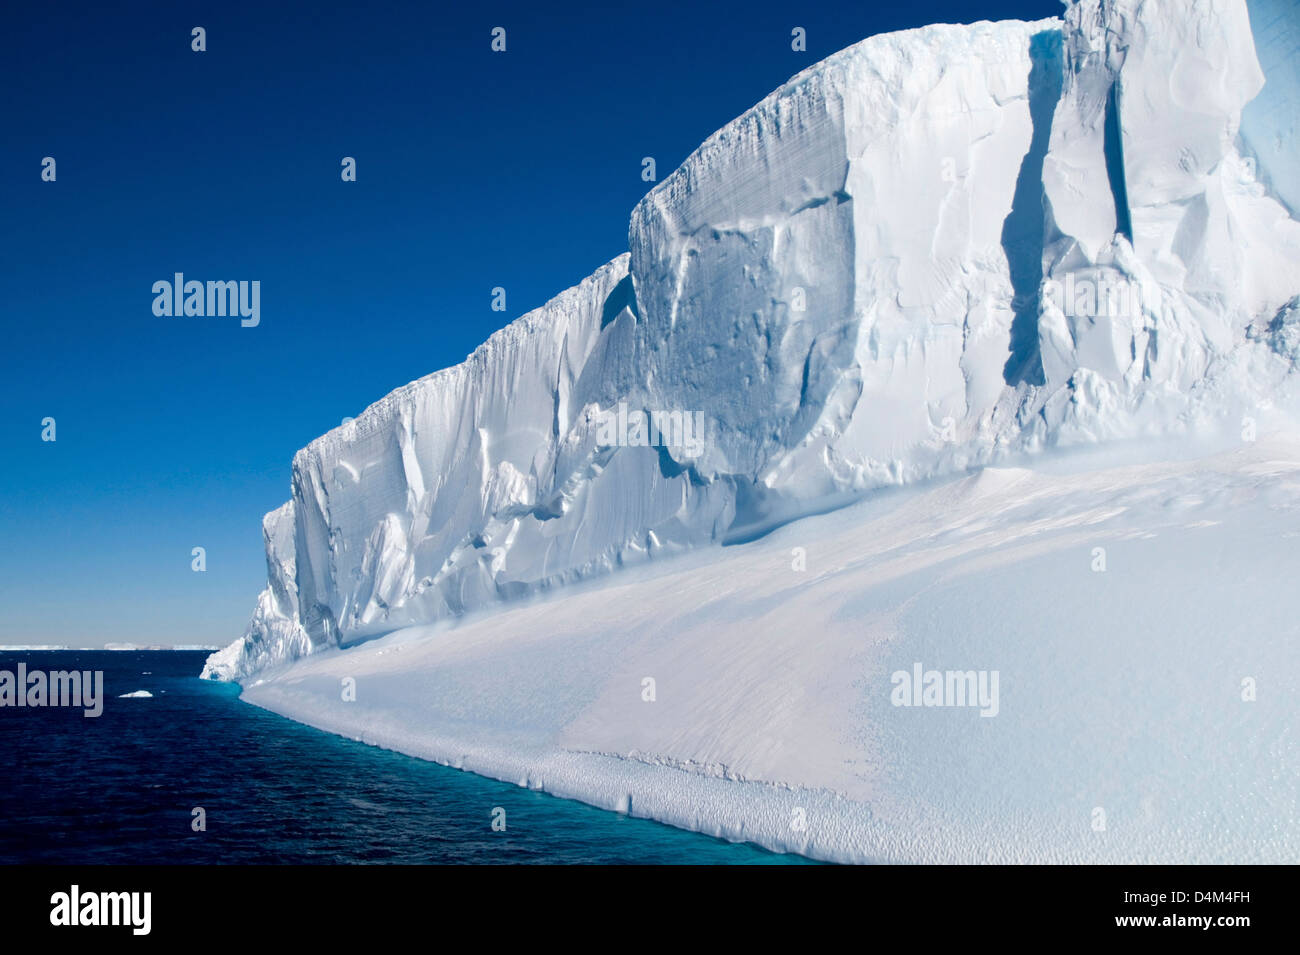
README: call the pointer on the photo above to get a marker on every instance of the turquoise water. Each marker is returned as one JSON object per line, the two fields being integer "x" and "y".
{"x": 121, "y": 788}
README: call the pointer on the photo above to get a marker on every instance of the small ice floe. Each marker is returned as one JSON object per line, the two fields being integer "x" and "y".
{"x": 136, "y": 694}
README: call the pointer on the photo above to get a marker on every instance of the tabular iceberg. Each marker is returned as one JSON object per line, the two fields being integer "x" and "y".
{"x": 933, "y": 251}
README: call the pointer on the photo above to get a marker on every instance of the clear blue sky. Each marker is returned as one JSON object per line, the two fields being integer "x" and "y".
{"x": 475, "y": 170}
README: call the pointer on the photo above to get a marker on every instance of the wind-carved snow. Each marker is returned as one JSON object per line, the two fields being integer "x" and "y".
{"x": 931, "y": 252}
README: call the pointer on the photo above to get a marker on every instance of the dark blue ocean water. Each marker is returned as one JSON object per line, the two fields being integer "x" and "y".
{"x": 120, "y": 788}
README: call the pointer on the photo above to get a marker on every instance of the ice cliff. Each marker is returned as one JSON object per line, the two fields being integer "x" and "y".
{"x": 930, "y": 250}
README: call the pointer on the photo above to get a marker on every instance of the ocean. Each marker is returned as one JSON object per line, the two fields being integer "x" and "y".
{"x": 122, "y": 788}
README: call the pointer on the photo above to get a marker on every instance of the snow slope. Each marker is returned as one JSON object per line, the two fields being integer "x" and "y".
{"x": 1119, "y": 690}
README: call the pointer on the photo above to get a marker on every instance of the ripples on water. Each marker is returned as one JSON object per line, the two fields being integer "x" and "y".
{"x": 120, "y": 788}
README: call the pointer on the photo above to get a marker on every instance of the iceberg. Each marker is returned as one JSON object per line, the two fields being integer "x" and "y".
{"x": 1133, "y": 613}
{"x": 951, "y": 251}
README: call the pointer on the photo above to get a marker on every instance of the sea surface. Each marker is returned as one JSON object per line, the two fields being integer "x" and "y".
{"x": 121, "y": 788}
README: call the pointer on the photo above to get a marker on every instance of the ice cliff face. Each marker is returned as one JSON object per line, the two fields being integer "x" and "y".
{"x": 929, "y": 250}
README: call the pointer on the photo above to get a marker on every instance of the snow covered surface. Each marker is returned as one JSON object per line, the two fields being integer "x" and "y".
{"x": 934, "y": 252}
{"x": 1119, "y": 689}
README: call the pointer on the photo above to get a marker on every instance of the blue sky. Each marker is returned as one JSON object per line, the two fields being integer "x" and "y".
{"x": 475, "y": 170}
